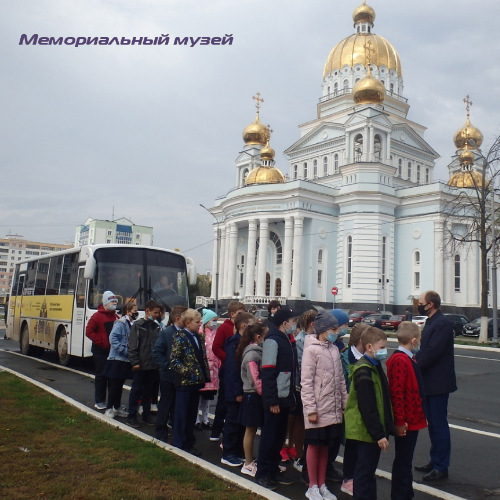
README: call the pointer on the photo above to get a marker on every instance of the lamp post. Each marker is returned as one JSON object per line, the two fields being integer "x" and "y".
{"x": 218, "y": 264}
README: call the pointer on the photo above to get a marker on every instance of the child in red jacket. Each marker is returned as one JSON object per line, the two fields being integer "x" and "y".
{"x": 407, "y": 397}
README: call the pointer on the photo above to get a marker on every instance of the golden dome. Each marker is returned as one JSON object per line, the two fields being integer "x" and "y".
{"x": 351, "y": 51}
{"x": 267, "y": 152}
{"x": 368, "y": 90}
{"x": 466, "y": 179}
{"x": 468, "y": 131}
{"x": 364, "y": 14}
{"x": 466, "y": 157}
{"x": 256, "y": 133}
{"x": 264, "y": 175}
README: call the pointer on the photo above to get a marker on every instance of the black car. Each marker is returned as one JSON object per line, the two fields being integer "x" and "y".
{"x": 473, "y": 328}
{"x": 457, "y": 321}
{"x": 376, "y": 319}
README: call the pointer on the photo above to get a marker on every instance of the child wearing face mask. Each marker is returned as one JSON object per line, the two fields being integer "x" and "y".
{"x": 324, "y": 398}
{"x": 407, "y": 395}
{"x": 368, "y": 415}
{"x": 249, "y": 358}
{"x": 207, "y": 331}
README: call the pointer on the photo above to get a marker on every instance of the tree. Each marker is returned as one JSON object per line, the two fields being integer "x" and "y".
{"x": 202, "y": 287}
{"x": 469, "y": 213}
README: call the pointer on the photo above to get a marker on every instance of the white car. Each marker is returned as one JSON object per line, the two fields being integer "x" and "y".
{"x": 419, "y": 320}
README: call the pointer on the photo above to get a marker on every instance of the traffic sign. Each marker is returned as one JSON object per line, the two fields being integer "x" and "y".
{"x": 335, "y": 290}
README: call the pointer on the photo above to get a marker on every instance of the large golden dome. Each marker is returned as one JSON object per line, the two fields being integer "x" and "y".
{"x": 364, "y": 14}
{"x": 368, "y": 90}
{"x": 466, "y": 179}
{"x": 265, "y": 175}
{"x": 351, "y": 51}
{"x": 468, "y": 131}
{"x": 256, "y": 133}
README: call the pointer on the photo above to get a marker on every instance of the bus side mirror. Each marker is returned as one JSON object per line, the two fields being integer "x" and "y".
{"x": 90, "y": 266}
{"x": 191, "y": 271}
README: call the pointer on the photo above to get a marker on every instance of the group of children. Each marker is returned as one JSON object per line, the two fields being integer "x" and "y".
{"x": 292, "y": 373}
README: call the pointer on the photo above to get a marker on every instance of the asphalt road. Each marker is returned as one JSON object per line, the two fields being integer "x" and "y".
{"x": 474, "y": 407}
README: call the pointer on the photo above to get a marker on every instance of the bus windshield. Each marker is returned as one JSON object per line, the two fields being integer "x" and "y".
{"x": 139, "y": 274}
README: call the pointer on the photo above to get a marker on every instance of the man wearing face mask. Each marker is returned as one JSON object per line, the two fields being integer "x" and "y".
{"x": 437, "y": 364}
{"x": 98, "y": 329}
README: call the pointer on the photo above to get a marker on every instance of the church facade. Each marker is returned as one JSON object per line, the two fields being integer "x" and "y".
{"x": 358, "y": 209}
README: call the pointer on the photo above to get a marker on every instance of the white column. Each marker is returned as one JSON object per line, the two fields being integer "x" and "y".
{"x": 297, "y": 255}
{"x": 473, "y": 276}
{"x": 388, "y": 153}
{"x": 250, "y": 262}
{"x": 371, "y": 156}
{"x": 287, "y": 258}
{"x": 347, "y": 150}
{"x": 366, "y": 144}
{"x": 438, "y": 258}
{"x": 222, "y": 260}
{"x": 226, "y": 263}
{"x": 449, "y": 271}
{"x": 214, "y": 262}
{"x": 262, "y": 261}
{"x": 231, "y": 258}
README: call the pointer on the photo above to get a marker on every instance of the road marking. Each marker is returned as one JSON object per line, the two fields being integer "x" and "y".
{"x": 475, "y": 357}
{"x": 475, "y": 431}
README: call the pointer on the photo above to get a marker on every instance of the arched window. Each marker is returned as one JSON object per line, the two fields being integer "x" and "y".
{"x": 305, "y": 170}
{"x": 336, "y": 162}
{"x": 358, "y": 29}
{"x": 392, "y": 87}
{"x": 328, "y": 89}
{"x": 335, "y": 87}
{"x": 245, "y": 173}
{"x": 377, "y": 147}
{"x": 268, "y": 284}
{"x": 457, "y": 273}
{"x": 417, "y": 258}
{"x": 382, "y": 82}
{"x": 400, "y": 168}
{"x": 320, "y": 256}
{"x": 295, "y": 171}
{"x": 409, "y": 170}
{"x": 241, "y": 269}
{"x": 427, "y": 176}
{"x": 325, "y": 166}
{"x": 369, "y": 29}
{"x": 363, "y": 28}
{"x": 346, "y": 85}
{"x": 315, "y": 168}
{"x": 358, "y": 147}
{"x": 349, "y": 261}
{"x": 357, "y": 80}
{"x": 418, "y": 173}
{"x": 277, "y": 287}
{"x": 279, "y": 249}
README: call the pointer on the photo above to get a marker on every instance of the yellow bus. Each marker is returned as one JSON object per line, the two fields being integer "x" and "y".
{"x": 53, "y": 296}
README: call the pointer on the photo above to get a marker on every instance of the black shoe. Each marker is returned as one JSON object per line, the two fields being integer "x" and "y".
{"x": 266, "y": 483}
{"x": 425, "y": 468}
{"x": 198, "y": 427}
{"x": 283, "y": 479}
{"x": 149, "y": 420}
{"x": 132, "y": 422}
{"x": 334, "y": 475}
{"x": 207, "y": 426}
{"x": 436, "y": 475}
{"x": 194, "y": 451}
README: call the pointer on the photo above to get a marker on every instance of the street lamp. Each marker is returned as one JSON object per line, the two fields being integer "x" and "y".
{"x": 493, "y": 243}
{"x": 217, "y": 265}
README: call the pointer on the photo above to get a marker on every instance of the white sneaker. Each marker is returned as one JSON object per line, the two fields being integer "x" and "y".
{"x": 109, "y": 413}
{"x": 121, "y": 412}
{"x": 298, "y": 464}
{"x": 154, "y": 408}
{"x": 313, "y": 493}
{"x": 326, "y": 493}
{"x": 139, "y": 411}
{"x": 249, "y": 469}
{"x": 100, "y": 406}
{"x": 348, "y": 487}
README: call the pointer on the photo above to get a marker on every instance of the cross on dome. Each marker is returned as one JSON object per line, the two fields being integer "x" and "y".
{"x": 468, "y": 103}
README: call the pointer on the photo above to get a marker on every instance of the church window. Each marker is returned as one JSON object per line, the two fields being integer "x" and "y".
{"x": 257, "y": 243}
{"x": 245, "y": 173}
{"x": 268, "y": 284}
{"x": 335, "y": 87}
{"x": 417, "y": 280}
{"x": 328, "y": 89}
{"x": 349, "y": 261}
{"x": 241, "y": 268}
{"x": 418, "y": 173}
{"x": 277, "y": 287}
{"x": 279, "y": 249}
{"x": 346, "y": 85}
{"x": 320, "y": 256}
{"x": 295, "y": 171}
{"x": 377, "y": 147}
{"x": 409, "y": 170}
{"x": 336, "y": 162}
{"x": 369, "y": 29}
{"x": 315, "y": 168}
{"x": 358, "y": 29}
{"x": 417, "y": 258}
{"x": 400, "y": 168}
{"x": 384, "y": 254}
{"x": 382, "y": 82}
{"x": 320, "y": 276}
{"x": 305, "y": 170}
{"x": 392, "y": 87}
{"x": 357, "y": 80}
{"x": 363, "y": 28}
{"x": 457, "y": 273}
{"x": 427, "y": 176}
{"x": 325, "y": 166}
{"x": 358, "y": 147}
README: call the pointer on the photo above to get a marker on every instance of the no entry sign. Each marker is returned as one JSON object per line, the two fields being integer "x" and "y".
{"x": 335, "y": 290}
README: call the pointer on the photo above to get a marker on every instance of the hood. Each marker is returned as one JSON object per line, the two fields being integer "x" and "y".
{"x": 251, "y": 348}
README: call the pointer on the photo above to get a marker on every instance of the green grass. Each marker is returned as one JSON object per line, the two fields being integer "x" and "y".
{"x": 72, "y": 456}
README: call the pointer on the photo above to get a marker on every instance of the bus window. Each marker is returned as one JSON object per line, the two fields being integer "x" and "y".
{"x": 29, "y": 284}
{"x": 15, "y": 282}
{"x": 69, "y": 272}
{"x": 54, "y": 280}
{"x": 80, "y": 291}
{"x": 41, "y": 276}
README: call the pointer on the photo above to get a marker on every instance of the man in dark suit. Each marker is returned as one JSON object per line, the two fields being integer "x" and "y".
{"x": 408, "y": 314}
{"x": 437, "y": 365}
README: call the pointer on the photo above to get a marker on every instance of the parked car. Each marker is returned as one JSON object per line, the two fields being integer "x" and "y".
{"x": 473, "y": 328}
{"x": 419, "y": 320}
{"x": 458, "y": 321}
{"x": 376, "y": 319}
{"x": 261, "y": 315}
{"x": 393, "y": 322}
{"x": 358, "y": 316}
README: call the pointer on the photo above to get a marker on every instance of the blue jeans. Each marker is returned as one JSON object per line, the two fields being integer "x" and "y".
{"x": 439, "y": 431}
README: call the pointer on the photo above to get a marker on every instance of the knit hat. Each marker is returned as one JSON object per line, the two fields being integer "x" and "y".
{"x": 280, "y": 316}
{"x": 207, "y": 315}
{"x": 324, "y": 321}
{"x": 108, "y": 297}
{"x": 341, "y": 316}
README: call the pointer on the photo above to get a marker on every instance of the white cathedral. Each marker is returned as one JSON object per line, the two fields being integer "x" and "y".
{"x": 358, "y": 210}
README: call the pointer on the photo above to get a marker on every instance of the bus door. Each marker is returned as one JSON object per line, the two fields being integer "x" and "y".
{"x": 78, "y": 330}
{"x": 14, "y": 316}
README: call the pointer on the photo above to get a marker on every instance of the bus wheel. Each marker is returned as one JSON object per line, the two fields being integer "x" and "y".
{"x": 24, "y": 343}
{"x": 62, "y": 347}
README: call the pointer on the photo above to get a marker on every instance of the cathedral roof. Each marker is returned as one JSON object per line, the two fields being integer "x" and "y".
{"x": 265, "y": 175}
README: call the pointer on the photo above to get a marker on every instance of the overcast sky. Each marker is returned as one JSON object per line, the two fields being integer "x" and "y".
{"x": 154, "y": 131}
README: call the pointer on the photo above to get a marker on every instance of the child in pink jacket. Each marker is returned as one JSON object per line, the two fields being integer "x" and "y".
{"x": 324, "y": 397}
